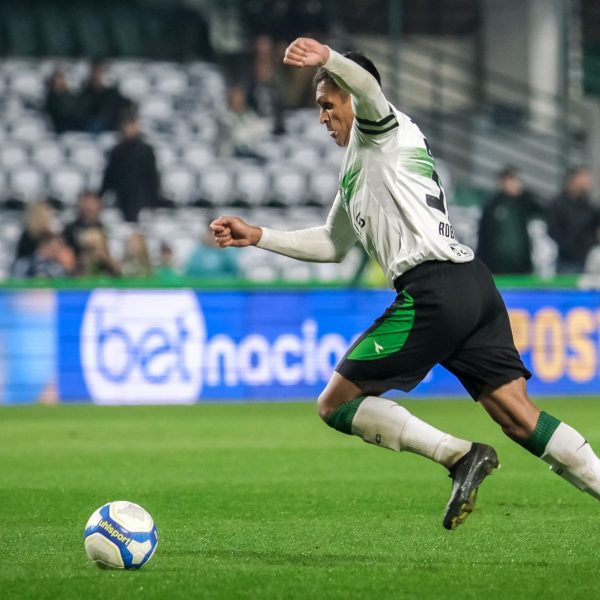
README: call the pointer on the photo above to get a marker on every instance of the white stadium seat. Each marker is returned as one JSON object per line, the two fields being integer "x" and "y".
{"x": 323, "y": 185}
{"x": 216, "y": 185}
{"x": 88, "y": 155}
{"x": 252, "y": 185}
{"x": 288, "y": 185}
{"x": 48, "y": 154}
{"x": 12, "y": 153}
{"x": 135, "y": 85}
{"x": 66, "y": 183}
{"x": 197, "y": 155}
{"x": 180, "y": 184}
{"x": 28, "y": 183}
{"x": 29, "y": 129}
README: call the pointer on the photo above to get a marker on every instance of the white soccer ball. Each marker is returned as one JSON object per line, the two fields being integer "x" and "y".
{"x": 120, "y": 535}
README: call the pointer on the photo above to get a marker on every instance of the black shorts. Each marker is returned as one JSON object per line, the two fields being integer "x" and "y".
{"x": 447, "y": 313}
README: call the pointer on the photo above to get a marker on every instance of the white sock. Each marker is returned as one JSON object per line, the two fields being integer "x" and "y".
{"x": 571, "y": 457}
{"x": 385, "y": 423}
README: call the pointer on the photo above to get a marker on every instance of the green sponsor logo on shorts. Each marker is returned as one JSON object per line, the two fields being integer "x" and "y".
{"x": 390, "y": 336}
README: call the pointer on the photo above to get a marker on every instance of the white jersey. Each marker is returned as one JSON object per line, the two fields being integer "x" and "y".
{"x": 393, "y": 196}
{"x": 390, "y": 197}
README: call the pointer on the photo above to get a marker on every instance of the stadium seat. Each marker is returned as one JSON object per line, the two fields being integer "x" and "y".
{"x": 182, "y": 250}
{"x": 288, "y": 185}
{"x": 12, "y": 153}
{"x": 66, "y": 183}
{"x": 87, "y": 155}
{"x": 166, "y": 154}
{"x": 302, "y": 154}
{"x": 323, "y": 185}
{"x": 216, "y": 186}
{"x": 27, "y": 183}
{"x": 30, "y": 128}
{"x": 197, "y": 155}
{"x": 180, "y": 184}
{"x": 252, "y": 185}
{"x": 170, "y": 80}
{"x": 29, "y": 85}
{"x": 135, "y": 85}
{"x": 155, "y": 108}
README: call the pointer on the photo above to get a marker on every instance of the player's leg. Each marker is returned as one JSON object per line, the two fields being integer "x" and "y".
{"x": 347, "y": 408}
{"x": 562, "y": 447}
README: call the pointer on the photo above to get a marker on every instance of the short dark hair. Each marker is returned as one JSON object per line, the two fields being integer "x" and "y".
{"x": 360, "y": 59}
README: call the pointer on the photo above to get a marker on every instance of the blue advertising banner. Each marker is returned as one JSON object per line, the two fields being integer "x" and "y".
{"x": 183, "y": 346}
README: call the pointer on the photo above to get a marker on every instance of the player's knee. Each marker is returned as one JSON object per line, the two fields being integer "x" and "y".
{"x": 325, "y": 407}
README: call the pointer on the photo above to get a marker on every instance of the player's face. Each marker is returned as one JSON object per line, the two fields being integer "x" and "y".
{"x": 335, "y": 112}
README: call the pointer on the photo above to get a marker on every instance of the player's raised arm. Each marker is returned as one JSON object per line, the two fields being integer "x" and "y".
{"x": 369, "y": 101}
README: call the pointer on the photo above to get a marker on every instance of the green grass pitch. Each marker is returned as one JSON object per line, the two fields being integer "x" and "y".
{"x": 264, "y": 501}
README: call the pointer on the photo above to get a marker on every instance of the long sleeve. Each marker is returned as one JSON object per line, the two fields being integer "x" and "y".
{"x": 327, "y": 243}
{"x": 369, "y": 101}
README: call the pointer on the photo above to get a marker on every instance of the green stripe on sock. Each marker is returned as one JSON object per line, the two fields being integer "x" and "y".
{"x": 342, "y": 418}
{"x": 536, "y": 443}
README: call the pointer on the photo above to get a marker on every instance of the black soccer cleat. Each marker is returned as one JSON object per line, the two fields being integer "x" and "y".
{"x": 467, "y": 474}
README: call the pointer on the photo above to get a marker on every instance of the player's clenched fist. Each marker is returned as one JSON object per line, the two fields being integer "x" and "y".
{"x": 306, "y": 52}
{"x": 232, "y": 231}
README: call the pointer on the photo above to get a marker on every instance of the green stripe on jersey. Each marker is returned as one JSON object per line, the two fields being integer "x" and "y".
{"x": 418, "y": 161}
{"x": 348, "y": 183}
{"x": 390, "y": 336}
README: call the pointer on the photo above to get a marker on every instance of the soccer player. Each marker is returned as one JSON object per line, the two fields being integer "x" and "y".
{"x": 447, "y": 309}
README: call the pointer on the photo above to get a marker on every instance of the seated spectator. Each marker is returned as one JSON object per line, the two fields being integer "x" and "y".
{"x": 38, "y": 224}
{"x": 89, "y": 208}
{"x": 573, "y": 222}
{"x": 166, "y": 266}
{"x": 209, "y": 261}
{"x": 131, "y": 171}
{"x": 52, "y": 258}
{"x": 136, "y": 262}
{"x": 504, "y": 242}
{"x": 94, "y": 256}
{"x": 62, "y": 105}
{"x": 101, "y": 104}
{"x": 241, "y": 128}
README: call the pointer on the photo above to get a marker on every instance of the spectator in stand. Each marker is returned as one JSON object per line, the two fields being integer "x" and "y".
{"x": 101, "y": 104}
{"x": 38, "y": 224}
{"x": 52, "y": 258}
{"x": 504, "y": 242}
{"x": 573, "y": 222}
{"x": 131, "y": 171}
{"x": 210, "y": 262}
{"x": 136, "y": 262}
{"x": 89, "y": 208}
{"x": 241, "y": 128}
{"x": 264, "y": 91}
{"x": 94, "y": 256}
{"x": 166, "y": 267}
{"x": 62, "y": 105}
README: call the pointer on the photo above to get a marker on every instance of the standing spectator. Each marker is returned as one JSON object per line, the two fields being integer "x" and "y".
{"x": 38, "y": 224}
{"x": 102, "y": 104}
{"x": 264, "y": 91}
{"x": 573, "y": 222}
{"x": 131, "y": 171}
{"x": 61, "y": 104}
{"x": 166, "y": 271}
{"x": 136, "y": 262}
{"x": 52, "y": 258}
{"x": 89, "y": 208}
{"x": 504, "y": 243}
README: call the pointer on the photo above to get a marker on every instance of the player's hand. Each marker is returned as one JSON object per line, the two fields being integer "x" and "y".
{"x": 306, "y": 52}
{"x": 232, "y": 231}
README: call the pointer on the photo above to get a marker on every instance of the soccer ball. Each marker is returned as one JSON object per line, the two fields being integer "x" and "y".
{"x": 120, "y": 535}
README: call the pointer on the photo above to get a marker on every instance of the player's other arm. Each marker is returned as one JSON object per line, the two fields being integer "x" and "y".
{"x": 327, "y": 243}
{"x": 369, "y": 101}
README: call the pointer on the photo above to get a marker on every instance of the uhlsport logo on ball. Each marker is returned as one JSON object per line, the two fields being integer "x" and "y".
{"x": 142, "y": 346}
{"x": 120, "y": 535}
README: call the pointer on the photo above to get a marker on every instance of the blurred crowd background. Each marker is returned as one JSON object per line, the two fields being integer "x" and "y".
{"x": 126, "y": 127}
